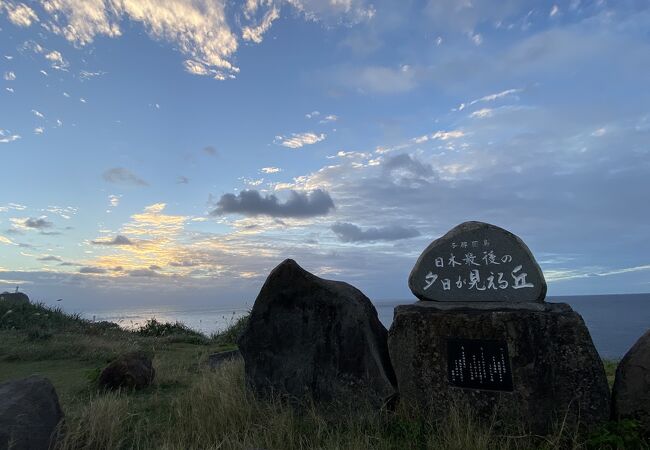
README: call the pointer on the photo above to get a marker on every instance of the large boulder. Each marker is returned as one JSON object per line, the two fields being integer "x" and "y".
{"x": 132, "y": 370}
{"x": 631, "y": 392}
{"x": 29, "y": 414}
{"x": 530, "y": 363}
{"x": 313, "y": 338}
{"x": 15, "y": 297}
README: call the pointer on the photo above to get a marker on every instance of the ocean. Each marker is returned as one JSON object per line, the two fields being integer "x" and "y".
{"x": 614, "y": 321}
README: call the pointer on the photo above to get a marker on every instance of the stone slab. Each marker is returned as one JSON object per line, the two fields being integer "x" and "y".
{"x": 476, "y": 261}
{"x": 555, "y": 368}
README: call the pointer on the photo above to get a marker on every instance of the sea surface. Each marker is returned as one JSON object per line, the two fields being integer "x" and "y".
{"x": 614, "y": 321}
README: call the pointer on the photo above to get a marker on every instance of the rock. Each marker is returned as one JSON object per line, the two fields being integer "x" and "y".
{"x": 631, "y": 391}
{"x": 132, "y": 370}
{"x": 313, "y": 338}
{"x": 215, "y": 360}
{"x": 476, "y": 261}
{"x": 529, "y": 364}
{"x": 15, "y": 297}
{"x": 29, "y": 413}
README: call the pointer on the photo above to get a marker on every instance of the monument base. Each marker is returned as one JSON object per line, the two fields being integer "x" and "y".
{"x": 534, "y": 363}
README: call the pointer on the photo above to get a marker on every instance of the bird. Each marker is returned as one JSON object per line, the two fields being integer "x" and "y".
{"x": 59, "y": 300}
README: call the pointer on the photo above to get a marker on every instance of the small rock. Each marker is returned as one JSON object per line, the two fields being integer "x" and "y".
{"x": 631, "y": 391}
{"x": 29, "y": 413}
{"x": 313, "y": 338}
{"x": 132, "y": 370}
{"x": 216, "y": 359}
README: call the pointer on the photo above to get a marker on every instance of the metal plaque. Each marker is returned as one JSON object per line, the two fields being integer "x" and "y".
{"x": 479, "y": 364}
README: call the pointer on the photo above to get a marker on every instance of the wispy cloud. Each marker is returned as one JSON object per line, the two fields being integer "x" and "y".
{"x": 120, "y": 175}
{"x": 348, "y": 232}
{"x": 117, "y": 240}
{"x": 270, "y": 169}
{"x": 297, "y": 140}
{"x": 19, "y": 14}
{"x": 255, "y": 33}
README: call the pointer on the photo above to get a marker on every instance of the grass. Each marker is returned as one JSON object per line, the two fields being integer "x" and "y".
{"x": 190, "y": 406}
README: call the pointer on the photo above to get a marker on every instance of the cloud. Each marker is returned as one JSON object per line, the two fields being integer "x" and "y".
{"x": 255, "y": 33}
{"x": 6, "y": 136}
{"x": 5, "y": 240}
{"x": 19, "y": 14}
{"x": 482, "y": 113}
{"x": 38, "y": 223}
{"x": 117, "y": 240}
{"x": 379, "y": 79}
{"x": 270, "y": 170}
{"x": 148, "y": 273}
{"x": 56, "y": 58}
{"x": 329, "y": 118}
{"x": 406, "y": 163}
{"x": 297, "y": 140}
{"x": 37, "y": 113}
{"x": 114, "y": 200}
{"x": 49, "y": 258}
{"x": 299, "y": 204}
{"x": 182, "y": 180}
{"x": 39, "y": 130}
{"x": 92, "y": 270}
{"x": 10, "y": 76}
{"x": 210, "y": 151}
{"x": 348, "y": 232}
{"x": 120, "y": 175}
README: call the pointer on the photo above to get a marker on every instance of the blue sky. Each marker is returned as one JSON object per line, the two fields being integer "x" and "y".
{"x": 158, "y": 152}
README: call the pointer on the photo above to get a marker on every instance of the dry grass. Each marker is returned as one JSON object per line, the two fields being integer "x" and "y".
{"x": 215, "y": 411}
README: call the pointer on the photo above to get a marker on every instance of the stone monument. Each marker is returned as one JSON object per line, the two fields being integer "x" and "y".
{"x": 482, "y": 336}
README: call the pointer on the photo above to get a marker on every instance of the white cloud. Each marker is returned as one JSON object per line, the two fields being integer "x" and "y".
{"x": 312, "y": 114}
{"x": 493, "y": 97}
{"x": 255, "y": 33}
{"x": 20, "y": 14}
{"x": 482, "y": 113}
{"x": 6, "y": 137}
{"x": 9, "y": 76}
{"x": 554, "y": 11}
{"x": 10, "y": 90}
{"x": 37, "y": 113}
{"x": 329, "y": 118}
{"x": 271, "y": 169}
{"x": 56, "y": 58}
{"x": 5, "y": 240}
{"x": 446, "y": 135}
{"x": 39, "y": 130}
{"x": 599, "y": 132}
{"x": 297, "y": 140}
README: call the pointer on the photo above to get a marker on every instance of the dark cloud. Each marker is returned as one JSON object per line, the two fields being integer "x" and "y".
{"x": 407, "y": 163}
{"x": 155, "y": 267}
{"x": 210, "y": 151}
{"x": 92, "y": 270}
{"x": 184, "y": 263}
{"x": 142, "y": 273}
{"x": 348, "y": 232}
{"x": 120, "y": 175}
{"x": 49, "y": 258}
{"x": 299, "y": 204}
{"x": 37, "y": 224}
{"x": 117, "y": 240}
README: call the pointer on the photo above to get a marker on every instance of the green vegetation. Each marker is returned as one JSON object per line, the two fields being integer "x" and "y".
{"x": 190, "y": 406}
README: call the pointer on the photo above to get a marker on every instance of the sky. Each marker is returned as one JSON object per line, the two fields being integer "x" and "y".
{"x": 158, "y": 152}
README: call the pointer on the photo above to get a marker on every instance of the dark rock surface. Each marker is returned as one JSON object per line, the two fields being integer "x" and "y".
{"x": 554, "y": 365}
{"x": 310, "y": 337}
{"x": 29, "y": 413}
{"x": 132, "y": 370}
{"x": 476, "y": 261}
{"x": 631, "y": 391}
{"x": 14, "y": 297}
{"x": 215, "y": 360}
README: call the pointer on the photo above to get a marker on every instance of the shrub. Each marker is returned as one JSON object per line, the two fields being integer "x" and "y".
{"x": 230, "y": 335}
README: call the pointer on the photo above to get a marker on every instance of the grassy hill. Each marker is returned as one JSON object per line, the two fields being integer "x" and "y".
{"x": 190, "y": 406}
